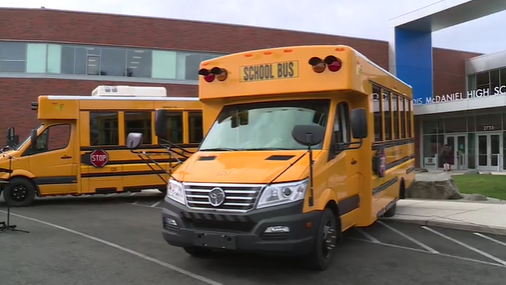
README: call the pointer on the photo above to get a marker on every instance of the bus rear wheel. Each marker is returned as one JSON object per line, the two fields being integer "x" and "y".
{"x": 328, "y": 235}
{"x": 20, "y": 192}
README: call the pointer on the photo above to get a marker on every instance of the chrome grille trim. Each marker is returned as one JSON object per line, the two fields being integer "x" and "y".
{"x": 240, "y": 198}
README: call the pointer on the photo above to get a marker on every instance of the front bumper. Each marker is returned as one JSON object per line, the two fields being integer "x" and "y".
{"x": 242, "y": 231}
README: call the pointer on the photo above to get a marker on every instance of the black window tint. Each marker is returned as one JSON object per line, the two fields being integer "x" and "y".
{"x": 103, "y": 128}
{"x": 175, "y": 127}
{"x": 195, "y": 127}
{"x": 139, "y": 122}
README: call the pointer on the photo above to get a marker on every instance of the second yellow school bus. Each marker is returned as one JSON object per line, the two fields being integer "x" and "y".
{"x": 79, "y": 147}
{"x": 304, "y": 142}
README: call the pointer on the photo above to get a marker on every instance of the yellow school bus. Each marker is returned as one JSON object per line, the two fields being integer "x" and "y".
{"x": 303, "y": 143}
{"x": 79, "y": 147}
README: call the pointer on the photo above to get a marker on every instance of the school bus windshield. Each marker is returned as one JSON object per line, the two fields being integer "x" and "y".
{"x": 264, "y": 126}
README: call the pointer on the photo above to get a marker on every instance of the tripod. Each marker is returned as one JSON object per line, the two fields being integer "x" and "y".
{"x": 6, "y": 226}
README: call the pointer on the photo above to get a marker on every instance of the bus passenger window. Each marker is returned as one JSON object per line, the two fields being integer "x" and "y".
{"x": 395, "y": 115}
{"x": 378, "y": 126}
{"x": 103, "y": 128}
{"x": 195, "y": 127}
{"x": 175, "y": 127}
{"x": 402, "y": 111}
{"x": 342, "y": 132}
{"x": 409, "y": 109}
{"x": 139, "y": 122}
{"x": 387, "y": 115}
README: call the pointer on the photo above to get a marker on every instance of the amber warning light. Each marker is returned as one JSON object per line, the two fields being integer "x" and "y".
{"x": 331, "y": 62}
{"x": 215, "y": 72}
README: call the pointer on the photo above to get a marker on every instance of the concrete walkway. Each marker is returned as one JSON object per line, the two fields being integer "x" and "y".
{"x": 462, "y": 215}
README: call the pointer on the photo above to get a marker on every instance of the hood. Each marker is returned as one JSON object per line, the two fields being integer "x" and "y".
{"x": 244, "y": 166}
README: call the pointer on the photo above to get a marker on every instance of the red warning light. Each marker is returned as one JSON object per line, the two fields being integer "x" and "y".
{"x": 333, "y": 63}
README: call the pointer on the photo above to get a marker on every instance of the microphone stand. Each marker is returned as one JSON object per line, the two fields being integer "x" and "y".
{"x": 6, "y": 226}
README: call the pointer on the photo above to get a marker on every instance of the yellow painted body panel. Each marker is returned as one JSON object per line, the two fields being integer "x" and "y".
{"x": 284, "y": 74}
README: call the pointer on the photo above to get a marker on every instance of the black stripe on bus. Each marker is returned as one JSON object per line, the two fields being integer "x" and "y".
{"x": 399, "y": 161}
{"x": 122, "y": 173}
{"x": 378, "y": 145}
{"x": 151, "y": 146}
{"x": 85, "y": 160}
{"x": 384, "y": 186}
{"x": 349, "y": 204}
{"x": 55, "y": 180}
{"x": 409, "y": 170}
{"x": 389, "y": 205}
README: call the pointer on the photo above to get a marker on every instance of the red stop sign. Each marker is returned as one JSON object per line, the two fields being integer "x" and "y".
{"x": 99, "y": 158}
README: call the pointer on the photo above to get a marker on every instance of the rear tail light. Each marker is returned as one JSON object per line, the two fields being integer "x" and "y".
{"x": 331, "y": 62}
{"x": 216, "y": 72}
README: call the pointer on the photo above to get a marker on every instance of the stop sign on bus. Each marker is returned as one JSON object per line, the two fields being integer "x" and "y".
{"x": 99, "y": 158}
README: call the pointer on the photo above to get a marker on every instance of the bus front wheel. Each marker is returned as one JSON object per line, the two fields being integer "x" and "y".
{"x": 325, "y": 243}
{"x": 20, "y": 192}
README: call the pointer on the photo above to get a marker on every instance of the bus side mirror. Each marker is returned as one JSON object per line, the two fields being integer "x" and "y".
{"x": 33, "y": 138}
{"x": 10, "y": 134}
{"x": 308, "y": 135}
{"x": 358, "y": 120}
{"x": 134, "y": 140}
{"x": 161, "y": 123}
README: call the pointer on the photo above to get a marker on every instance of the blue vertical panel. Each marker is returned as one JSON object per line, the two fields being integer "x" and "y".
{"x": 413, "y": 60}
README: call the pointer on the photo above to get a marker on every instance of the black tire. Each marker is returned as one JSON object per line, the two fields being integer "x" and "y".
{"x": 391, "y": 212}
{"x": 328, "y": 235}
{"x": 20, "y": 192}
{"x": 197, "y": 251}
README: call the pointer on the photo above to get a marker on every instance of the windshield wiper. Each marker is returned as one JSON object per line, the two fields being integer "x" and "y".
{"x": 268, "y": 148}
{"x": 220, "y": 149}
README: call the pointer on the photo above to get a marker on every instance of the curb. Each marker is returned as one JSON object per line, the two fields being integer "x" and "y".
{"x": 499, "y": 231}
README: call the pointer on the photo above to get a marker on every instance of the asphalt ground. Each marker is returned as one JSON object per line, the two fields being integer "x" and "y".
{"x": 117, "y": 239}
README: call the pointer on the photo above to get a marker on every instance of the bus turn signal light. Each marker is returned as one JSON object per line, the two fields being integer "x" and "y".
{"x": 333, "y": 63}
{"x": 317, "y": 64}
{"x": 216, "y": 72}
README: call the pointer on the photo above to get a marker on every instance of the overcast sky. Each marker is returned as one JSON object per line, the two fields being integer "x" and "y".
{"x": 356, "y": 18}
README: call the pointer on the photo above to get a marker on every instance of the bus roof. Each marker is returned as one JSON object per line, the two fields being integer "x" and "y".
{"x": 119, "y": 98}
{"x": 288, "y": 70}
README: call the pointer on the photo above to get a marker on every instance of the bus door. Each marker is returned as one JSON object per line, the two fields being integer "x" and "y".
{"x": 54, "y": 159}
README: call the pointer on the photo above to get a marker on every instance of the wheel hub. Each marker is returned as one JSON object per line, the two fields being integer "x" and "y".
{"x": 19, "y": 193}
{"x": 329, "y": 238}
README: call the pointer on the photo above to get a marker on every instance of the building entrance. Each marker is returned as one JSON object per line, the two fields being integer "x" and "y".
{"x": 489, "y": 151}
{"x": 458, "y": 144}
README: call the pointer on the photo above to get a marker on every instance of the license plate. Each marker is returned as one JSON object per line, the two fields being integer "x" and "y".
{"x": 218, "y": 241}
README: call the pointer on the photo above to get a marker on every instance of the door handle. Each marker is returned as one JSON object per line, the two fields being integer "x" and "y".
{"x": 66, "y": 157}
{"x": 353, "y": 161}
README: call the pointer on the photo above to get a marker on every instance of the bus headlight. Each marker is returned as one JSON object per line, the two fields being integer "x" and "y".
{"x": 175, "y": 191}
{"x": 282, "y": 193}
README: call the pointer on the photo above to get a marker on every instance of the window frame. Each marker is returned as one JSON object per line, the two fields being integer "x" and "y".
{"x": 117, "y": 118}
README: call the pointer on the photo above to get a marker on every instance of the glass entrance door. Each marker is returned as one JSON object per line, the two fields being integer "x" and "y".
{"x": 458, "y": 144}
{"x": 489, "y": 152}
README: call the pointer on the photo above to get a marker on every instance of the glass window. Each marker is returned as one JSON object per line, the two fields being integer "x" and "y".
{"x": 430, "y": 151}
{"x": 488, "y": 122}
{"x": 378, "y": 122}
{"x": 139, "y": 122}
{"x": 471, "y": 83}
{"x": 13, "y": 56}
{"x": 494, "y": 81}
{"x": 139, "y": 63}
{"x": 164, "y": 64}
{"x": 471, "y": 123}
{"x": 54, "y": 137}
{"x": 455, "y": 125}
{"x": 266, "y": 125}
{"x": 482, "y": 81}
{"x": 192, "y": 63}
{"x": 103, "y": 128}
{"x": 387, "y": 115}
{"x": 409, "y": 110}
{"x": 395, "y": 115}
{"x": 430, "y": 126}
{"x": 503, "y": 77}
{"x": 81, "y": 61}
{"x": 68, "y": 59}
{"x": 113, "y": 62}
{"x": 93, "y": 65}
{"x": 175, "y": 127}
{"x": 54, "y": 56}
{"x": 195, "y": 127}
{"x": 36, "y": 55}
{"x": 402, "y": 113}
{"x": 342, "y": 133}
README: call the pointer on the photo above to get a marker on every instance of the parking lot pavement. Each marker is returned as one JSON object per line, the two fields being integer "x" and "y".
{"x": 112, "y": 241}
